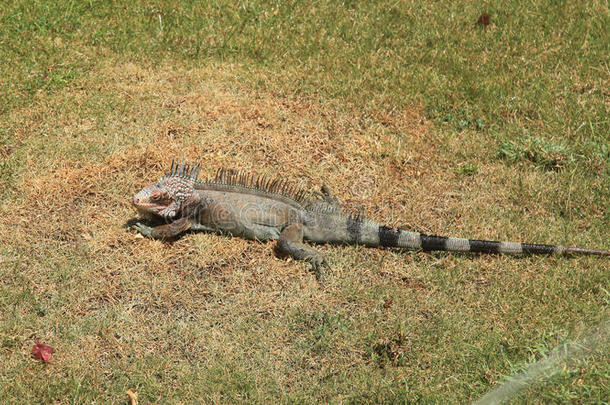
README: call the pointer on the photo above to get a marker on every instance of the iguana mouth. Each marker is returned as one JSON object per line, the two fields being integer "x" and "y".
{"x": 148, "y": 206}
{"x": 146, "y": 213}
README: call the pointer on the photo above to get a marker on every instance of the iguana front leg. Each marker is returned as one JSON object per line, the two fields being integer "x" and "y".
{"x": 291, "y": 242}
{"x": 167, "y": 231}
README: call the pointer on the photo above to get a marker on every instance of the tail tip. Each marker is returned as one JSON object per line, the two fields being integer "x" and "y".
{"x": 579, "y": 251}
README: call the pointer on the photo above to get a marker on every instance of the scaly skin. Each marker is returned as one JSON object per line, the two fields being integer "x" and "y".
{"x": 255, "y": 208}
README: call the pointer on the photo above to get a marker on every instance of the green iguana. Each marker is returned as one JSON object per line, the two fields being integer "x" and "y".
{"x": 255, "y": 207}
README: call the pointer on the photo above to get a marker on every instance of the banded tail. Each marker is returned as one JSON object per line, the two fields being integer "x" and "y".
{"x": 372, "y": 234}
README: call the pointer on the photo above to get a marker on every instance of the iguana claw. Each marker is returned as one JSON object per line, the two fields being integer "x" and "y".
{"x": 143, "y": 229}
{"x": 318, "y": 264}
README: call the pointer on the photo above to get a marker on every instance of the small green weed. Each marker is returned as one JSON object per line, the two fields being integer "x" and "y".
{"x": 543, "y": 153}
{"x": 458, "y": 119}
{"x": 468, "y": 169}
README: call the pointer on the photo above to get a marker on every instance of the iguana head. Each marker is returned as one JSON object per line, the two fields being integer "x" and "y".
{"x": 169, "y": 195}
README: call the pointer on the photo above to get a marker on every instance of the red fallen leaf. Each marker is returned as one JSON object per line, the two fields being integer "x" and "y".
{"x": 484, "y": 20}
{"x": 42, "y": 352}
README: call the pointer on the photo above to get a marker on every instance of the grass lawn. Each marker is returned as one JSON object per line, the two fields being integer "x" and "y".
{"x": 409, "y": 110}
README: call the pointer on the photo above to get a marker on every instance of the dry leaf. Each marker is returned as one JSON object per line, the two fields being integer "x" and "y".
{"x": 42, "y": 352}
{"x": 133, "y": 397}
{"x": 484, "y": 20}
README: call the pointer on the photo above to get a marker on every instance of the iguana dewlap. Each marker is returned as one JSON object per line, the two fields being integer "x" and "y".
{"x": 258, "y": 208}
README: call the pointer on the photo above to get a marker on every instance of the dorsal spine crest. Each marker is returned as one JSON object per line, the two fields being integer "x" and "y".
{"x": 235, "y": 178}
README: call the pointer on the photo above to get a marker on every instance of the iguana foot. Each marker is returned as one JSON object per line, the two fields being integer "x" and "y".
{"x": 143, "y": 229}
{"x": 318, "y": 265}
{"x": 329, "y": 197}
{"x": 166, "y": 231}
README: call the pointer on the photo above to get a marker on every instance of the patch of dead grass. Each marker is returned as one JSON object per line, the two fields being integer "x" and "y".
{"x": 232, "y": 299}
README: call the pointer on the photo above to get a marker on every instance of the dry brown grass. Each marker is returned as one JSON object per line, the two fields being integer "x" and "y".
{"x": 198, "y": 317}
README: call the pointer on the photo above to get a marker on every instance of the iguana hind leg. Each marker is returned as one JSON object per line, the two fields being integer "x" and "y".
{"x": 290, "y": 242}
{"x": 167, "y": 231}
{"x": 329, "y": 197}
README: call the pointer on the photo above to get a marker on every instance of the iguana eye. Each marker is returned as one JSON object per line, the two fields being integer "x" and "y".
{"x": 157, "y": 196}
